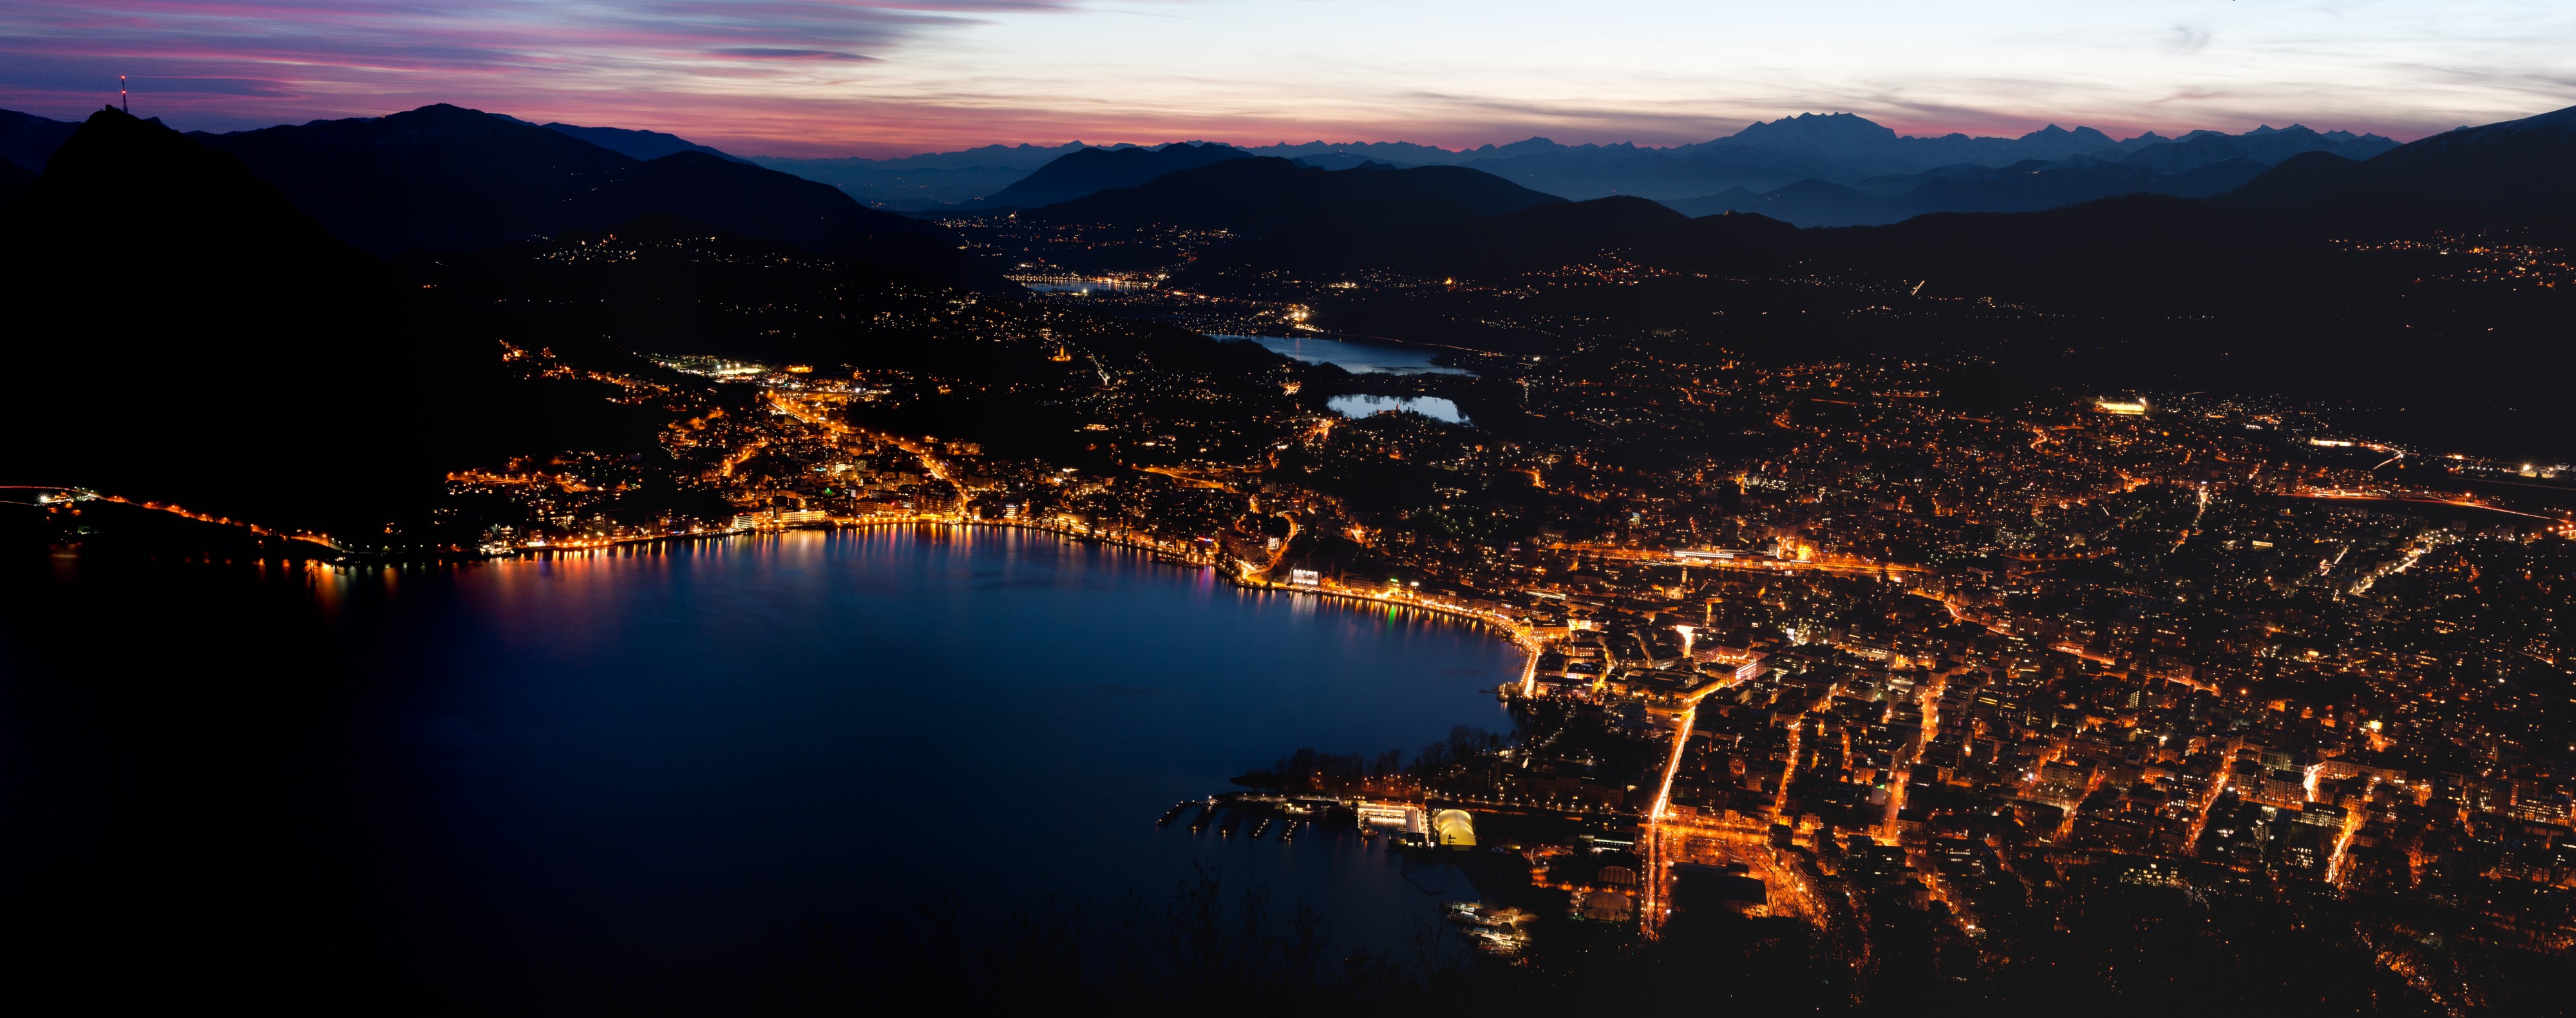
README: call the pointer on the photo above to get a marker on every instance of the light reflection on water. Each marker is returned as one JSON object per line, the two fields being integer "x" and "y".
{"x": 1435, "y": 407}
{"x": 515, "y": 782}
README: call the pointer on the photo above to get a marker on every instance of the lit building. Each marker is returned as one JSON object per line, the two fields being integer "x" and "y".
{"x": 1404, "y": 818}
{"x": 1453, "y": 828}
{"x": 1742, "y": 663}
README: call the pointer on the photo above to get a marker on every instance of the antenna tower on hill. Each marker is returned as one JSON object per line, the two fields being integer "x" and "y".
{"x": 123, "y": 102}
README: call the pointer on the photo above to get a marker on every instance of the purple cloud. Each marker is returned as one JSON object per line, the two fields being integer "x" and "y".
{"x": 196, "y": 62}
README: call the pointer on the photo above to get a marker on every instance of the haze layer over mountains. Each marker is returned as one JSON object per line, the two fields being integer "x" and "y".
{"x": 1810, "y": 169}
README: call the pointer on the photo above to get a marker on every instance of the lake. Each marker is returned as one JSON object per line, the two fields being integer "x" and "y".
{"x": 632, "y": 779}
{"x": 1438, "y": 407}
{"x": 1356, "y": 358}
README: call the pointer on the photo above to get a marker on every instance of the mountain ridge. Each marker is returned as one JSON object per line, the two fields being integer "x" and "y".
{"x": 2515, "y": 167}
{"x": 639, "y": 145}
{"x": 1262, "y": 195}
{"x": 230, "y": 321}
{"x": 1091, "y": 170}
{"x": 447, "y": 177}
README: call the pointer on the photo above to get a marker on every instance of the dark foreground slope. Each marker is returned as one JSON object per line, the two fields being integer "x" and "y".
{"x": 187, "y": 336}
{"x": 2518, "y": 168}
{"x": 190, "y": 337}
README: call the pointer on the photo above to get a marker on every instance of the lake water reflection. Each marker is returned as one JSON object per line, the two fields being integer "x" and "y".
{"x": 1437, "y": 407}
{"x": 1356, "y": 358}
{"x": 626, "y": 779}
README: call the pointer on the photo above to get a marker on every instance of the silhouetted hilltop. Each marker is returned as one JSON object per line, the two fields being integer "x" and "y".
{"x": 447, "y": 178}
{"x": 2519, "y": 168}
{"x": 194, "y": 338}
{"x": 1092, "y": 170}
{"x": 764, "y": 203}
{"x": 1254, "y": 197}
{"x": 28, "y": 140}
{"x": 640, "y": 145}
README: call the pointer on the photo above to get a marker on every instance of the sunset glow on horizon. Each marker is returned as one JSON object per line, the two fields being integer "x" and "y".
{"x": 889, "y": 77}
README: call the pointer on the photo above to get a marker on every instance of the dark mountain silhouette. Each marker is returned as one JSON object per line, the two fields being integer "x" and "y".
{"x": 927, "y": 181}
{"x": 2027, "y": 186}
{"x": 1844, "y": 133}
{"x": 2137, "y": 251}
{"x": 1850, "y": 150}
{"x": 1397, "y": 153}
{"x": 1593, "y": 173}
{"x": 926, "y": 259}
{"x": 1532, "y": 239}
{"x": 447, "y": 178}
{"x": 2139, "y": 290}
{"x": 1255, "y": 197}
{"x": 1858, "y": 146}
{"x": 14, "y": 181}
{"x": 682, "y": 286}
{"x": 195, "y": 339}
{"x": 1808, "y": 202}
{"x": 189, "y": 336}
{"x": 2171, "y": 254}
{"x": 1093, "y": 170}
{"x": 1349, "y": 161}
{"x": 1839, "y": 148}
{"x": 2264, "y": 146}
{"x": 28, "y": 140}
{"x": 2300, "y": 180}
{"x": 1724, "y": 201}
{"x": 763, "y": 203}
{"x": 639, "y": 145}
{"x": 2518, "y": 168}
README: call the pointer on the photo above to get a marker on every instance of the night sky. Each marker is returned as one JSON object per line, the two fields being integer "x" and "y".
{"x": 884, "y": 77}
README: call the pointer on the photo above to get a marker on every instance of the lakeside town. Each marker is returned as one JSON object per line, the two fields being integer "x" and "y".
{"x": 1915, "y": 676}
{"x": 1825, "y": 642}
